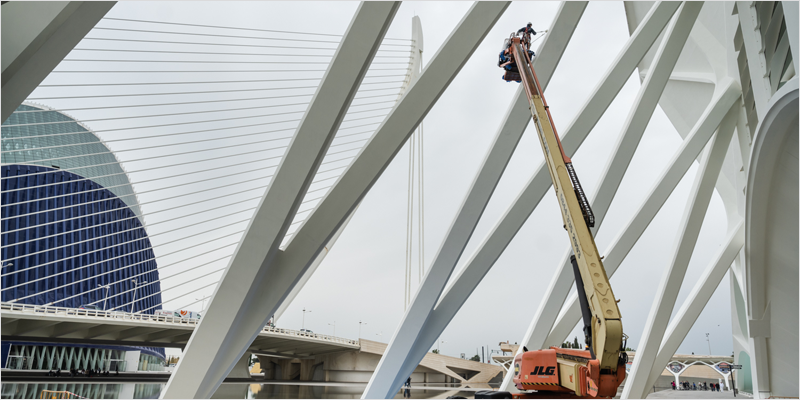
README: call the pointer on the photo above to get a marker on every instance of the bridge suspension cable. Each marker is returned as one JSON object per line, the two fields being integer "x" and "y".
{"x": 212, "y": 184}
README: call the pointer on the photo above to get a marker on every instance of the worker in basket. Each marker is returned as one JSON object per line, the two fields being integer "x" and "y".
{"x": 508, "y": 63}
{"x": 526, "y": 32}
{"x": 506, "y": 59}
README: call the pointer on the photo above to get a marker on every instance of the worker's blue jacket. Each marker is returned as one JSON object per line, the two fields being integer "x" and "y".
{"x": 525, "y": 30}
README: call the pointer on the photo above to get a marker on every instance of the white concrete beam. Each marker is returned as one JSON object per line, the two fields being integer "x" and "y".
{"x": 351, "y": 188}
{"x": 234, "y": 318}
{"x": 414, "y": 336}
{"x": 720, "y": 104}
{"x": 670, "y": 285}
{"x": 757, "y": 63}
{"x": 36, "y": 36}
{"x": 694, "y": 304}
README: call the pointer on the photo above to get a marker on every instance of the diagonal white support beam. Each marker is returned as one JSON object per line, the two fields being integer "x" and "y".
{"x": 422, "y": 325}
{"x": 697, "y": 300}
{"x": 234, "y": 317}
{"x": 667, "y": 293}
{"x": 36, "y": 37}
{"x": 720, "y": 104}
{"x": 351, "y": 188}
{"x": 644, "y": 105}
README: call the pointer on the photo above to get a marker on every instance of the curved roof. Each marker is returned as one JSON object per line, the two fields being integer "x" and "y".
{"x": 38, "y": 135}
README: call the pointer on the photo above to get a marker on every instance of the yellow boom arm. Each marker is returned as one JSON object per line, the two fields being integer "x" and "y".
{"x": 606, "y": 324}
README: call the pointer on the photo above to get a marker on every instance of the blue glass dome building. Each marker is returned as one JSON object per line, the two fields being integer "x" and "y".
{"x": 72, "y": 233}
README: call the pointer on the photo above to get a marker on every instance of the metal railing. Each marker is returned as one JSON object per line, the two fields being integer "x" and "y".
{"x": 126, "y": 316}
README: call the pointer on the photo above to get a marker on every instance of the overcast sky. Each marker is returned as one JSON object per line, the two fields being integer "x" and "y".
{"x": 362, "y": 277}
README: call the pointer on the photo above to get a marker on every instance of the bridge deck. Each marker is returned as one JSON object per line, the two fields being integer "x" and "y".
{"x": 47, "y": 324}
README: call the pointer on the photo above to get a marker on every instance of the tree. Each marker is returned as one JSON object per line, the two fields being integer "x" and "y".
{"x": 575, "y": 344}
{"x": 435, "y": 351}
{"x": 475, "y": 358}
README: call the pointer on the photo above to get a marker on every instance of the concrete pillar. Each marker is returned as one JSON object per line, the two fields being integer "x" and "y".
{"x": 285, "y": 369}
{"x": 307, "y": 369}
{"x": 267, "y": 367}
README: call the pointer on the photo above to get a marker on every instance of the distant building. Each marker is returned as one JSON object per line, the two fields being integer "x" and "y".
{"x": 72, "y": 236}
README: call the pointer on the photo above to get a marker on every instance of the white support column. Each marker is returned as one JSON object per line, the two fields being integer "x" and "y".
{"x": 36, "y": 37}
{"x": 697, "y": 300}
{"x": 719, "y": 106}
{"x": 791, "y": 14}
{"x": 751, "y": 34}
{"x": 233, "y": 318}
{"x": 644, "y": 105}
{"x": 415, "y": 334}
{"x": 700, "y": 197}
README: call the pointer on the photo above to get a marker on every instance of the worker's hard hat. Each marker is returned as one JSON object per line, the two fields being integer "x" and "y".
{"x": 530, "y": 23}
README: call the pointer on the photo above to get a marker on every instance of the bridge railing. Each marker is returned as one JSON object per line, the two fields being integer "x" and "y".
{"x": 126, "y": 316}
{"x": 308, "y": 334}
{"x": 115, "y": 315}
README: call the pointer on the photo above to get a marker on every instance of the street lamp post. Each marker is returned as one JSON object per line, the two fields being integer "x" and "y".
{"x": 105, "y": 301}
{"x": 438, "y": 350}
{"x": 359, "y": 327}
{"x": 303, "y": 326}
{"x": 334, "y": 327}
{"x": 133, "y": 303}
{"x": 202, "y": 303}
{"x": 709, "y": 344}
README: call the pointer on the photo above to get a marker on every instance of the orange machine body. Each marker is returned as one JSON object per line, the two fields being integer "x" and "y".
{"x": 536, "y": 370}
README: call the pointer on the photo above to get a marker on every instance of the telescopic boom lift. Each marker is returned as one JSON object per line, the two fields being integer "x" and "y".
{"x": 557, "y": 372}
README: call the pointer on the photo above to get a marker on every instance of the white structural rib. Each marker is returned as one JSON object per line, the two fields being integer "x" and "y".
{"x": 419, "y": 328}
{"x": 227, "y": 328}
{"x": 413, "y": 73}
{"x": 636, "y": 123}
{"x": 670, "y": 285}
{"x": 725, "y": 97}
{"x": 36, "y": 38}
{"x": 310, "y": 239}
{"x": 754, "y": 48}
{"x": 694, "y": 304}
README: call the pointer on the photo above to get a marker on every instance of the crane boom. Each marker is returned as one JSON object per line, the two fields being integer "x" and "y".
{"x": 602, "y": 320}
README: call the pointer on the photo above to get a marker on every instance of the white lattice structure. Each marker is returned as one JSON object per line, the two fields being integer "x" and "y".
{"x": 724, "y": 74}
